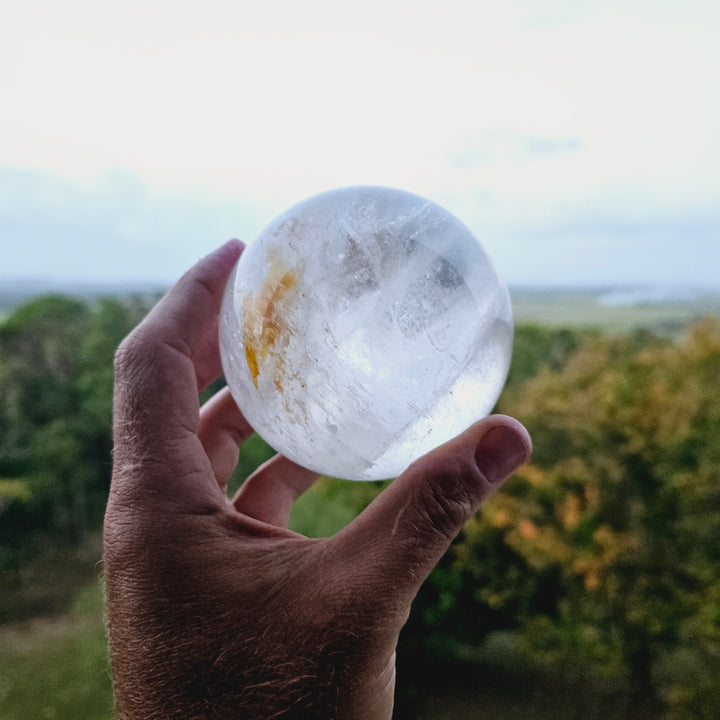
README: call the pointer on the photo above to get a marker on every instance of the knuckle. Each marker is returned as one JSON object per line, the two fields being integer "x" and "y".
{"x": 445, "y": 498}
{"x": 206, "y": 289}
{"x": 131, "y": 351}
{"x": 137, "y": 357}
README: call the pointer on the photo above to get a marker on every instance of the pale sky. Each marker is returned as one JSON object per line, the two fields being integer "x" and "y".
{"x": 580, "y": 140}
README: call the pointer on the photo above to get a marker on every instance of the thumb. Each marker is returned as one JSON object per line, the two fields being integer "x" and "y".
{"x": 405, "y": 531}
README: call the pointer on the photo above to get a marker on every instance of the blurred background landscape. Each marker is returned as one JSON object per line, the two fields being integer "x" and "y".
{"x": 588, "y": 586}
{"x": 578, "y": 139}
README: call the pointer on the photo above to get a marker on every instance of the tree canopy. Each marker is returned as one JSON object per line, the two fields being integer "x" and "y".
{"x": 602, "y": 554}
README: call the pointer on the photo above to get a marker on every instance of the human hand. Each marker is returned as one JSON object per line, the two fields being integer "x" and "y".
{"x": 215, "y": 608}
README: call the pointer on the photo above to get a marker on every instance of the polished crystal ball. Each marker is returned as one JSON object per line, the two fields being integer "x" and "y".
{"x": 362, "y": 328}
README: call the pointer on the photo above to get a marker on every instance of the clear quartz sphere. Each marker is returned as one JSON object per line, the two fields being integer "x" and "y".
{"x": 362, "y": 328}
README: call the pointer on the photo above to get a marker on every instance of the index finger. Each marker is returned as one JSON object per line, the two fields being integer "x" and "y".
{"x": 162, "y": 364}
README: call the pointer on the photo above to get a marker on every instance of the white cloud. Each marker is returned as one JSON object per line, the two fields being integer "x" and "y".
{"x": 516, "y": 114}
{"x": 112, "y": 230}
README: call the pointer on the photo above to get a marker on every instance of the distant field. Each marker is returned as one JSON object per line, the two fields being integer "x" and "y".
{"x": 57, "y": 667}
{"x": 16, "y": 292}
{"x": 606, "y": 309}
{"x": 613, "y": 309}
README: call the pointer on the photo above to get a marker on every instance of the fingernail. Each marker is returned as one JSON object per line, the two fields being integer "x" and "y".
{"x": 501, "y": 451}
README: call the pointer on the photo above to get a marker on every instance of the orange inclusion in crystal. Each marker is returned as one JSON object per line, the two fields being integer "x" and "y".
{"x": 264, "y": 320}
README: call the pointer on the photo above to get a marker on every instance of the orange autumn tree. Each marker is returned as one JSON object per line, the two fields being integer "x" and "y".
{"x": 622, "y": 506}
{"x": 604, "y": 552}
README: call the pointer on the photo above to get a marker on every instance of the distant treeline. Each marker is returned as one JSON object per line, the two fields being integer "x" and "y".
{"x": 601, "y": 558}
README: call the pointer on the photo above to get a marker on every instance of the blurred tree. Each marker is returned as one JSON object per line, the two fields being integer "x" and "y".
{"x": 56, "y": 356}
{"x": 536, "y": 347}
{"x": 38, "y": 366}
{"x": 604, "y": 553}
{"x": 622, "y": 507}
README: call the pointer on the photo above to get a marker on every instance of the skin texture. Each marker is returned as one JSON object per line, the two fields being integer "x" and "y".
{"x": 215, "y": 608}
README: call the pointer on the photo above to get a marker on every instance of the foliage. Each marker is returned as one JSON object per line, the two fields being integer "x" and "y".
{"x": 16, "y": 489}
{"x": 331, "y": 504}
{"x": 606, "y": 549}
{"x": 600, "y": 557}
{"x": 55, "y": 419}
{"x": 59, "y": 671}
{"x": 536, "y": 347}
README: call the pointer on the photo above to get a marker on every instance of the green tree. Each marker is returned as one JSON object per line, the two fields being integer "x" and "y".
{"x": 536, "y": 347}
{"x": 56, "y": 358}
{"x": 38, "y": 366}
{"x": 604, "y": 553}
{"x": 622, "y": 507}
